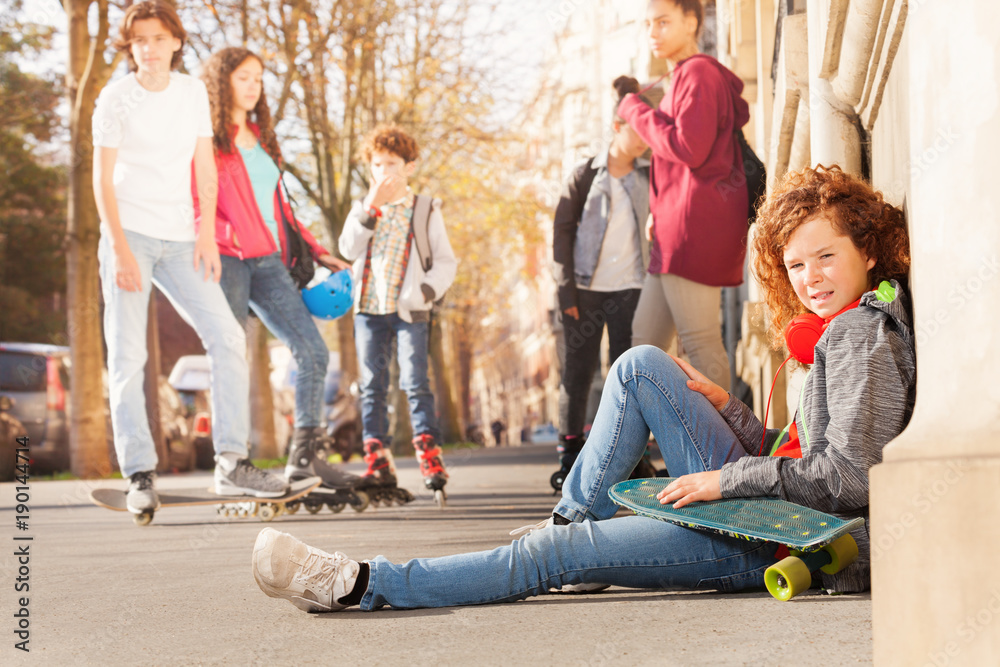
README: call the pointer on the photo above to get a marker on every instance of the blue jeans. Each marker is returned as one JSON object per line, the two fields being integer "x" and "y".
{"x": 264, "y": 284}
{"x": 645, "y": 391}
{"x": 373, "y": 337}
{"x": 170, "y": 265}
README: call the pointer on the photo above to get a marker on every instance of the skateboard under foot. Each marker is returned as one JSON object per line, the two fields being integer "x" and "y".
{"x": 265, "y": 509}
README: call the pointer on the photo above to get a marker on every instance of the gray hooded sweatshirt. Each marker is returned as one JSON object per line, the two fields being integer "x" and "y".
{"x": 857, "y": 397}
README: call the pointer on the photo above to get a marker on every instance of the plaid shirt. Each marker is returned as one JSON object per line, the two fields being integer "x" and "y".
{"x": 388, "y": 255}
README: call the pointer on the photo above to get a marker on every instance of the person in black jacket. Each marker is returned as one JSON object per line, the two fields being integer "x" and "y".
{"x": 598, "y": 248}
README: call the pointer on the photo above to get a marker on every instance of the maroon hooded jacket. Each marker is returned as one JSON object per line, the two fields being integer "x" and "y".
{"x": 697, "y": 190}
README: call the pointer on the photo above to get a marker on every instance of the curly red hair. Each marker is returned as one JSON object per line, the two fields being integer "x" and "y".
{"x": 390, "y": 138}
{"x": 856, "y": 210}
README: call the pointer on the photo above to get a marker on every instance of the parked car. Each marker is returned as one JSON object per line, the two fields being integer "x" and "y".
{"x": 191, "y": 378}
{"x": 10, "y": 430}
{"x": 36, "y": 377}
{"x": 546, "y": 434}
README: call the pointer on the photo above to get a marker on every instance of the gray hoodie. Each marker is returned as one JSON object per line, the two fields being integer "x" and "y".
{"x": 857, "y": 397}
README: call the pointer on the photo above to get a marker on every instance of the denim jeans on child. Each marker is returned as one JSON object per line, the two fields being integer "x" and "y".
{"x": 263, "y": 283}
{"x": 374, "y": 336}
{"x": 170, "y": 265}
{"x": 645, "y": 391}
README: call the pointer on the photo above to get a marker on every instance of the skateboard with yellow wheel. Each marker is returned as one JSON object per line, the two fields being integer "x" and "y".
{"x": 816, "y": 540}
{"x": 242, "y": 506}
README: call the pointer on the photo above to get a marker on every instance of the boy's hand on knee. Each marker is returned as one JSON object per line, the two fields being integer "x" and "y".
{"x": 715, "y": 394}
{"x": 690, "y": 488}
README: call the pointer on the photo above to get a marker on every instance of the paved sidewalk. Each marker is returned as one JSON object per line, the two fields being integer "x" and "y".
{"x": 180, "y": 591}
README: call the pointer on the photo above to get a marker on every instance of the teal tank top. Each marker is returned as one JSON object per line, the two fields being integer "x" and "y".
{"x": 264, "y": 179}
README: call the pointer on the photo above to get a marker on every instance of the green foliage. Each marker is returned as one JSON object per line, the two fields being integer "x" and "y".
{"x": 33, "y": 217}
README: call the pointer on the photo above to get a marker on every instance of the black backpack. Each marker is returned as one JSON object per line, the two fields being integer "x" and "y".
{"x": 756, "y": 177}
{"x": 300, "y": 262}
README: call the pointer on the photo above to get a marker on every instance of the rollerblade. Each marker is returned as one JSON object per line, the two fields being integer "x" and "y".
{"x": 379, "y": 480}
{"x": 431, "y": 466}
{"x": 569, "y": 448}
{"x": 338, "y": 490}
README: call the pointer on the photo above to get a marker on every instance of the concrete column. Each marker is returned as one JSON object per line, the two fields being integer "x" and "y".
{"x": 833, "y": 137}
{"x": 860, "y": 26}
{"x": 789, "y": 109}
{"x": 766, "y": 17}
{"x": 935, "y": 500}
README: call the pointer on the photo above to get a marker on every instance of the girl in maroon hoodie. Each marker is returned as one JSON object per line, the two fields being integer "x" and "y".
{"x": 254, "y": 250}
{"x": 697, "y": 197}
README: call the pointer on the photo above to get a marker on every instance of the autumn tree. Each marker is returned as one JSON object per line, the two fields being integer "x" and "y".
{"x": 87, "y": 71}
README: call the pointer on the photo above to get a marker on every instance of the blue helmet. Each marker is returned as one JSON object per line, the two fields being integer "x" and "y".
{"x": 329, "y": 295}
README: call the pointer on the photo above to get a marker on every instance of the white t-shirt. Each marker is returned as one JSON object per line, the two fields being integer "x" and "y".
{"x": 619, "y": 266}
{"x": 155, "y": 134}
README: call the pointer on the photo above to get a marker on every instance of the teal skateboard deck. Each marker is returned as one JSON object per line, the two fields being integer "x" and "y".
{"x": 817, "y": 540}
{"x": 243, "y": 505}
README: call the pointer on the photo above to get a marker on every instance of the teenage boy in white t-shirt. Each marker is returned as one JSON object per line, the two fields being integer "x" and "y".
{"x": 147, "y": 129}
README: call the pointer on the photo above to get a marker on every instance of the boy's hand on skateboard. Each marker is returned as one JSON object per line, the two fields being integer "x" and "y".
{"x": 691, "y": 488}
{"x": 715, "y": 394}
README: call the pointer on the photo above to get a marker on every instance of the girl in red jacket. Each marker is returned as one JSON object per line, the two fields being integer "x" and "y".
{"x": 699, "y": 218}
{"x": 253, "y": 248}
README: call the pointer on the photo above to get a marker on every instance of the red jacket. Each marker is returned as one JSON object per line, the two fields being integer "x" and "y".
{"x": 697, "y": 188}
{"x": 240, "y": 230}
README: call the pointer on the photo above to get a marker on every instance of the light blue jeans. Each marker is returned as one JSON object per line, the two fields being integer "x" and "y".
{"x": 264, "y": 284}
{"x": 645, "y": 391}
{"x": 170, "y": 265}
{"x": 374, "y": 336}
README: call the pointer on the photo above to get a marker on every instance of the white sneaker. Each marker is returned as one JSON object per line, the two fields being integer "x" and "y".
{"x": 141, "y": 496}
{"x": 312, "y": 580}
{"x": 568, "y": 588}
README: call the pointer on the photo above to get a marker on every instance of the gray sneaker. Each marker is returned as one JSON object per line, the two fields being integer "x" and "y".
{"x": 312, "y": 580}
{"x": 249, "y": 480}
{"x": 141, "y": 496}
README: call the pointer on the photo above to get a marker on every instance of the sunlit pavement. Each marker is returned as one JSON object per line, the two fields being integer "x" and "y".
{"x": 180, "y": 591}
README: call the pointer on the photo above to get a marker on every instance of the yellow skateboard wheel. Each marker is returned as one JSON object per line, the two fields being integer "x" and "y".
{"x": 843, "y": 551}
{"x": 787, "y": 578}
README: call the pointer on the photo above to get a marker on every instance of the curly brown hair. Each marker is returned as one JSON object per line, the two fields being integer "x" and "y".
{"x": 876, "y": 228}
{"x": 217, "y": 75}
{"x": 391, "y": 138}
{"x": 141, "y": 11}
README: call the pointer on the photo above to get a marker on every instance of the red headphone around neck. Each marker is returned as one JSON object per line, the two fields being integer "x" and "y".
{"x": 804, "y": 331}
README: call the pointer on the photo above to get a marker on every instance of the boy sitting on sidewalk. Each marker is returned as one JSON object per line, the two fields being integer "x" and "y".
{"x": 402, "y": 263}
